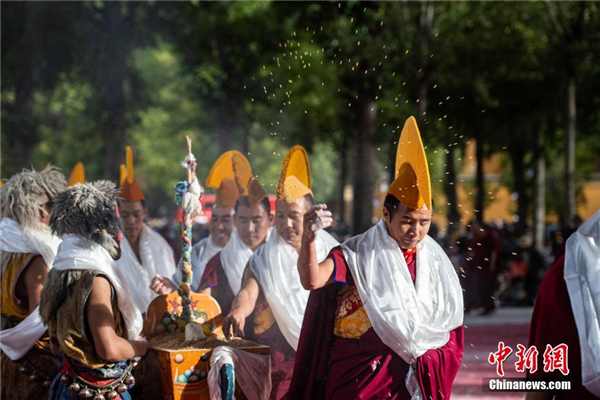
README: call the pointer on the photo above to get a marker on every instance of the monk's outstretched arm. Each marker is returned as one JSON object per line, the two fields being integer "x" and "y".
{"x": 243, "y": 305}
{"x": 312, "y": 274}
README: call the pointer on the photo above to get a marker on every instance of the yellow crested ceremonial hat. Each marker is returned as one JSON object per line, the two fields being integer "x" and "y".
{"x": 77, "y": 174}
{"x": 412, "y": 184}
{"x": 130, "y": 190}
{"x": 122, "y": 174}
{"x": 256, "y": 193}
{"x": 294, "y": 181}
{"x": 230, "y": 175}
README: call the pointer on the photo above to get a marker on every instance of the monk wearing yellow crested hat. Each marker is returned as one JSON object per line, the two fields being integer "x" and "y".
{"x": 270, "y": 306}
{"x": 232, "y": 175}
{"x": 221, "y": 177}
{"x": 384, "y": 317}
{"x": 144, "y": 252}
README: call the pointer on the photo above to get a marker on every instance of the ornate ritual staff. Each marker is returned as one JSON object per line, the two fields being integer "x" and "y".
{"x": 187, "y": 195}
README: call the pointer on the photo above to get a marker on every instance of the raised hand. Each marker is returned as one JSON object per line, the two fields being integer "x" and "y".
{"x": 318, "y": 217}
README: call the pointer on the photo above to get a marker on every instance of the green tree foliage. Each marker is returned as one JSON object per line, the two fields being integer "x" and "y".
{"x": 82, "y": 80}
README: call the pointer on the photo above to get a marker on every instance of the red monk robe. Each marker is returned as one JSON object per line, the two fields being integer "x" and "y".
{"x": 332, "y": 367}
{"x": 262, "y": 328}
{"x": 553, "y": 323}
{"x": 214, "y": 278}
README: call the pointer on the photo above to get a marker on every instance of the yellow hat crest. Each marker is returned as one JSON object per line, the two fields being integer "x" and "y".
{"x": 77, "y": 174}
{"x": 230, "y": 175}
{"x": 130, "y": 190}
{"x": 122, "y": 174}
{"x": 294, "y": 181}
{"x": 412, "y": 184}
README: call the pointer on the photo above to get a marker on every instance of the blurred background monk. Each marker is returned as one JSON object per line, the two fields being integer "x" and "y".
{"x": 222, "y": 278}
{"x": 145, "y": 253}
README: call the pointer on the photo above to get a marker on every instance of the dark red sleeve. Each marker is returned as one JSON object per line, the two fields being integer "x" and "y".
{"x": 437, "y": 368}
{"x": 210, "y": 276}
{"x": 340, "y": 266}
{"x": 553, "y": 323}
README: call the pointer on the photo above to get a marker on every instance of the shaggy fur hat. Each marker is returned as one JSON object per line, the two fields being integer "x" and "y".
{"x": 89, "y": 210}
{"x": 23, "y": 196}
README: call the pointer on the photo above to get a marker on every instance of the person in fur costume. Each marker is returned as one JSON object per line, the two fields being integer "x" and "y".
{"x": 27, "y": 249}
{"x": 92, "y": 320}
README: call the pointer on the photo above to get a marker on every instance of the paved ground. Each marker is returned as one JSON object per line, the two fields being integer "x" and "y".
{"x": 482, "y": 334}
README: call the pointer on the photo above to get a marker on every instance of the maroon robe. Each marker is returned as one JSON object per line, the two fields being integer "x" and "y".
{"x": 282, "y": 354}
{"x": 481, "y": 281}
{"x": 331, "y": 367}
{"x": 553, "y": 323}
{"x": 214, "y": 278}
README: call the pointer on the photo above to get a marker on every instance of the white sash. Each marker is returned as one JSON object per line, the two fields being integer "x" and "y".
{"x": 157, "y": 259}
{"x": 275, "y": 266}
{"x": 582, "y": 275}
{"x": 15, "y": 239}
{"x": 76, "y": 252}
{"x": 17, "y": 341}
{"x": 410, "y": 319}
{"x": 234, "y": 257}
{"x": 252, "y": 372}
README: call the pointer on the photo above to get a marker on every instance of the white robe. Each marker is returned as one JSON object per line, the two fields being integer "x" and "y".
{"x": 275, "y": 266}
{"x": 202, "y": 252}
{"x": 17, "y": 341}
{"x": 157, "y": 259}
{"x": 582, "y": 276}
{"x": 234, "y": 258}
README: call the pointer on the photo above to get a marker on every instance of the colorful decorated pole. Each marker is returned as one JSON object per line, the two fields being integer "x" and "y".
{"x": 187, "y": 195}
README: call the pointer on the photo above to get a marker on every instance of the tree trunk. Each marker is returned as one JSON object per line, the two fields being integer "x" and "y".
{"x": 343, "y": 168}
{"x": 425, "y": 22}
{"x": 110, "y": 86}
{"x": 363, "y": 164}
{"x": 451, "y": 196}
{"x": 225, "y": 128}
{"x": 479, "y": 177}
{"x": 22, "y": 132}
{"x": 539, "y": 214}
{"x": 518, "y": 167}
{"x": 246, "y": 127}
{"x": 570, "y": 153}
